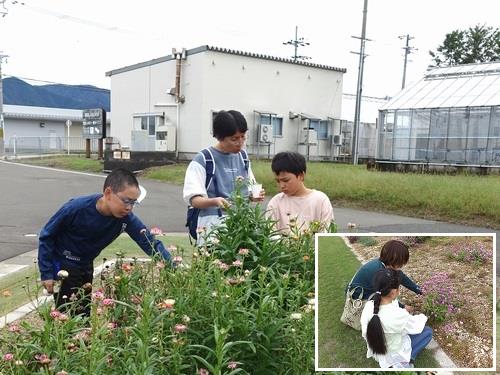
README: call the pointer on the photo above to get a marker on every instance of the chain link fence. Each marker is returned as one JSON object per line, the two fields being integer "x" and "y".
{"x": 46, "y": 145}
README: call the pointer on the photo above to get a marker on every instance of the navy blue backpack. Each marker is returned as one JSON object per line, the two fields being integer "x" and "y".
{"x": 192, "y": 212}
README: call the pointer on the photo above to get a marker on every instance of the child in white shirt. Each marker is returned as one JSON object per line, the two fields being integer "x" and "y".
{"x": 394, "y": 337}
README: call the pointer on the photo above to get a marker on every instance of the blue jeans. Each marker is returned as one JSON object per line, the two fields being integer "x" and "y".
{"x": 420, "y": 341}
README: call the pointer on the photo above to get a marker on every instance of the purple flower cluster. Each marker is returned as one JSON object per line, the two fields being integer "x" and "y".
{"x": 475, "y": 252}
{"x": 412, "y": 240}
{"x": 439, "y": 296}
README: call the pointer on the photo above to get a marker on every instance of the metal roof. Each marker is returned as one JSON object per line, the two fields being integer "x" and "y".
{"x": 468, "y": 85}
{"x": 223, "y": 50}
{"x": 44, "y": 113}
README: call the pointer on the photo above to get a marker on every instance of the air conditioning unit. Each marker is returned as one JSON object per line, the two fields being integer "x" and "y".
{"x": 308, "y": 136}
{"x": 265, "y": 133}
{"x": 337, "y": 140}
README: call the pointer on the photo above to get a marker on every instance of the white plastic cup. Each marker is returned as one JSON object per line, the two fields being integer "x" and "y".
{"x": 256, "y": 189}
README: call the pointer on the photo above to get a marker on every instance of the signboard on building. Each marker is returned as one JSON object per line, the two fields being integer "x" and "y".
{"x": 94, "y": 123}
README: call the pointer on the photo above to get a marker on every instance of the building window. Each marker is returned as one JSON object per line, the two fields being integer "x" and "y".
{"x": 276, "y": 122}
{"x": 278, "y": 126}
{"x": 321, "y": 127}
{"x": 147, "y": 122}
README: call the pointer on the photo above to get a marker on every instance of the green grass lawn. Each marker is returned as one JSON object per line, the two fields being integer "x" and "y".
{"x": 466, "y": 199}
{"x": 340, "y": 346}
{"x": 23, "y": 284}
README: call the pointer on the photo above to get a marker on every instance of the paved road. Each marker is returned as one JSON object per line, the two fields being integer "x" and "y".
{"x": 31, "y": 195}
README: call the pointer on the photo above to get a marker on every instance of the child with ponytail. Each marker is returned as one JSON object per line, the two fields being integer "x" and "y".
{"x": 394, "y": 337}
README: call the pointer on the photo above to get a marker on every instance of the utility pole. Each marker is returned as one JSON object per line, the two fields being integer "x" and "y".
{"x": 359, "y": 90}
{"x": 408, "y": 50}
{"x": 296, "y": 43}
{"x": 2, "y": 123}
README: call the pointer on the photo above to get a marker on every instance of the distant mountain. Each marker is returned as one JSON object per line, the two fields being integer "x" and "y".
{"x": 19, "y": 92}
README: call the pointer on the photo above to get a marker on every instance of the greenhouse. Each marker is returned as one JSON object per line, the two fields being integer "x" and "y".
{"x": 450, "y": 117}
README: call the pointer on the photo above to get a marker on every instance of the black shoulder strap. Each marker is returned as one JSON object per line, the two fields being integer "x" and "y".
{"x": 246, "y": 161}
{"x": 210, "y": 172}
{"x": 209, "y": 166}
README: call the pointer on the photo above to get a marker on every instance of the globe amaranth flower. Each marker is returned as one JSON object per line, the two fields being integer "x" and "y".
{"x": 8, "y": 357}
{"x": 108, "y": 302}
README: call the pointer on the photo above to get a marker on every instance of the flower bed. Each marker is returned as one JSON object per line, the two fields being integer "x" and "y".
{"x": 458, "y": 293}
{"x": 244, "y": 305}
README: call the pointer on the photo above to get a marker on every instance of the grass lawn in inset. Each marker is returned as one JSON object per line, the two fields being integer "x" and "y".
{"x": 340, "y": 346}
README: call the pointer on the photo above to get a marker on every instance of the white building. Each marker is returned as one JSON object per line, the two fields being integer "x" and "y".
{"x": 42, "y": 130}
{"x": 280, "y": 99}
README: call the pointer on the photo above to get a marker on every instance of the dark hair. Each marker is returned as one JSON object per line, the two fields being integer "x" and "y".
{"x": 394, "y": 253}
{"x": 288, "y": 161}
{"x": 119, "y": 179}
{"x": 227, "y": 123}
{"x": 384, "y": 281}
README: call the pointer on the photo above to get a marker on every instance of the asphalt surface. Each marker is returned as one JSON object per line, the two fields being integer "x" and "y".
{"x": 31, "y": 195}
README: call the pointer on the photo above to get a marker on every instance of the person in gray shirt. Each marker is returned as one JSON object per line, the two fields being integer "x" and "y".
{"x": 230, "y": 161}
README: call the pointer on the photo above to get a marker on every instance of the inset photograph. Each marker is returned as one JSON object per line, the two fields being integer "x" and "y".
{"x": 405, "y": 301}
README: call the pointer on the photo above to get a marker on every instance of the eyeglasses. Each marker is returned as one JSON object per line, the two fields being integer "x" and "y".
{"x": 128, "y": 202}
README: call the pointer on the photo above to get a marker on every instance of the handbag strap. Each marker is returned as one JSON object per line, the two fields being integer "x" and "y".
{"x": 349, "y": 292}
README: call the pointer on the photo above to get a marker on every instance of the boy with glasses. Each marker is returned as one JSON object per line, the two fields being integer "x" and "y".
{"x": 82, "y": 228}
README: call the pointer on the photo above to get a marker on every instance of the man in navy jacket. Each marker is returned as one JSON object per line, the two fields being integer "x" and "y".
{"x": 83, "y": 227}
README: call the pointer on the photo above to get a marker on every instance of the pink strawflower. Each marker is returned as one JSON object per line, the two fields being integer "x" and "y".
{"x": 203, "y": 371}
{"x": 14, "y": 328}
{"x": 54, "y": 314}
{"x": 243, "y": 251}
{"x": 112, "y": 325}
{"x": 237, "y": 263}
{"x": 167, "y": 304}
{"x": 232, "y": 365}
{"x": 126, "y": 267}
{"x": 8, "y": 357}
{"x": 62, "y": 317}
{"x": 177, "y": 259}
{"x": 223, "y": 266}
{"x": 42, "y": 358}
{"x": 180, "y": 328}
{"x": 156, "y": 231}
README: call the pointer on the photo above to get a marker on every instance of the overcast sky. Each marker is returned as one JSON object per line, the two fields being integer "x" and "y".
{"x": 77, "y": 41}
